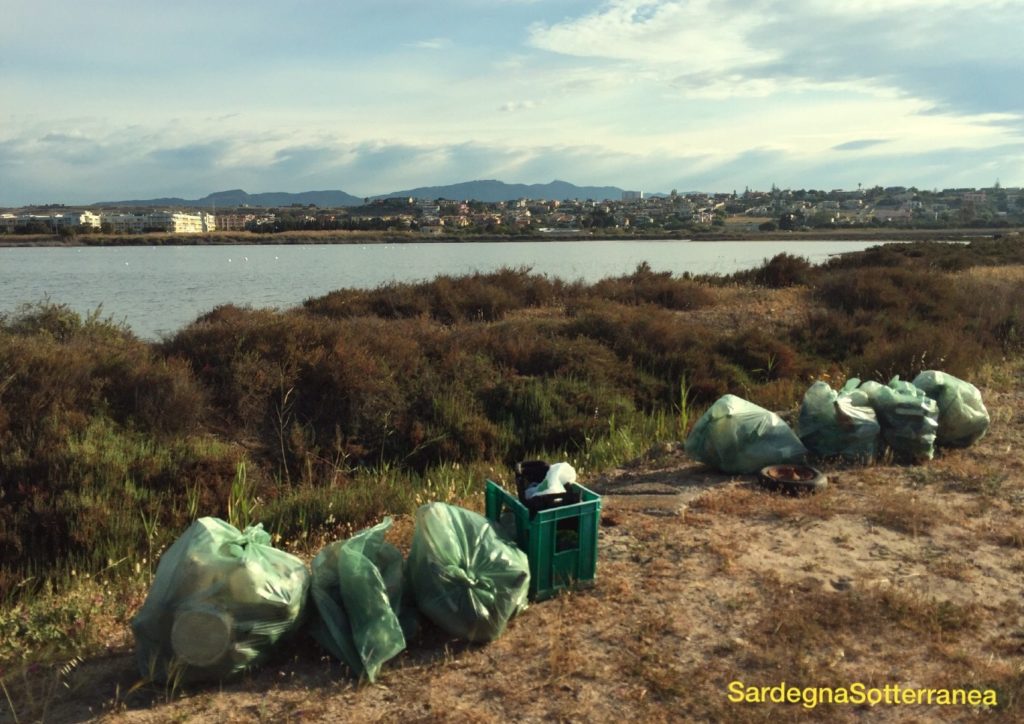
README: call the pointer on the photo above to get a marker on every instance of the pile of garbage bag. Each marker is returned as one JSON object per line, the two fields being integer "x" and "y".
{"x": 221, "y": 599}
{"x": 853, "y": 424}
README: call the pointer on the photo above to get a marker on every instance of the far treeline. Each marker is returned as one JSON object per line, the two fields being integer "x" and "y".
{"x": 360, "y": 403}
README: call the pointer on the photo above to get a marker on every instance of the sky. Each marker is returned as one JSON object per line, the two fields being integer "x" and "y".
{"x": 127, "y": 99}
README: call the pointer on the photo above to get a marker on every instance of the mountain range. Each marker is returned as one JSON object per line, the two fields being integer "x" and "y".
{"x": 489, "y": 191}
{"x": 238, "y": 197}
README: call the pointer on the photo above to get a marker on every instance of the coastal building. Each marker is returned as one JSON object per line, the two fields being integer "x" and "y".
{"x": 54, "y": 221}
{"x": 234, "y": 222}
{"x": 172, "y": 222}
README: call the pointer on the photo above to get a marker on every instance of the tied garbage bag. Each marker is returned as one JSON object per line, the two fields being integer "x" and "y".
{"x": 909, "y": 418}
{"x": 839, "y": 424}
{"x": 220, "y": 601}
{"x": 737, "y": 436}
{"x": 465, "y": 577}
{"x": 356, "y": 590}
{"x": 963, "y": 419}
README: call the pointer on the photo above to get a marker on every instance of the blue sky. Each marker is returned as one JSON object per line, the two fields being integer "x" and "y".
{"x": 117, "y": 99}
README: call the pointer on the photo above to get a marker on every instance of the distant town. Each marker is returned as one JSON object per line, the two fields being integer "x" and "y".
{"x": 634, "y": 212}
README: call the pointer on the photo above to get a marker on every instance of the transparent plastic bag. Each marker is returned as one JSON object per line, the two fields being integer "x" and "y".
{"x": 909, "y": 418}
{"x": 221, "y": 599}
{"x": 839, "y": 424}
{"x": 356, "y": 592}
{"x": 963, "y": 419}
{"x": 736, "y": 436}
{"x": 466, "y": 578}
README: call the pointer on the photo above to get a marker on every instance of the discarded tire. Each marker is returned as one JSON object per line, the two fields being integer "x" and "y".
{"x": 792, "y": 479}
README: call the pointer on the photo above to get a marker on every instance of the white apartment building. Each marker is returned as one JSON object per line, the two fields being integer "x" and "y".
{"x": 172, "y": 222}
{"x": 54, "y": 221}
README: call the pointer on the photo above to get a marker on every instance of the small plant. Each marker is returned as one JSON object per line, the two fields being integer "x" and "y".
{"x": 242, "y": 501}
{"x": 683, "y": 410}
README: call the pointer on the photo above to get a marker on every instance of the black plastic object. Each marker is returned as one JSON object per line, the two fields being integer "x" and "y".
{"x": 792, "y": 479}
{"x": 531, "y": 472}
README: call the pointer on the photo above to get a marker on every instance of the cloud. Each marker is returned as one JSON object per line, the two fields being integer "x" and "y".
{"x": 696, "y": 35}
{"x": 65, "y": 138}
{"x": 192, "y": 156}
{"x": 635, "y": 93}
{"x": 859, "y": 145}
{"x": 513, "y": 106}
{"x": 432, "y": 44}
{"x": 148, "y": 163}
{"x": 957, "y": 57}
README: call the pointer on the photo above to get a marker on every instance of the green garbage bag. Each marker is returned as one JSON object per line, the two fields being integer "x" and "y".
{"x": 736, "y": 436}
{"x": 466, "y": 578}
{"x": 963, "y": 419}
{"x": 357, "y": 596}
{"x": 839, "y": 424}
{"x": 908, "y": 417}
{"x": 221, "y": 599}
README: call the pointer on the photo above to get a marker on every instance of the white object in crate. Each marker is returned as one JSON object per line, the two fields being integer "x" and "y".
{"x": 559, "y": 475}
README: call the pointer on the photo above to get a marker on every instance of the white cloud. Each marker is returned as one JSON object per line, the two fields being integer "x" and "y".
{"x": 432, "y": 44}
{"x": 513, "y": 106}
{"x": 697, "y": 35}
{"x": 887, "y": 7}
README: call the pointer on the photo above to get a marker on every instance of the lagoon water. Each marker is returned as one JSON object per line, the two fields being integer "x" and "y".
{"x": 158, "y": 290}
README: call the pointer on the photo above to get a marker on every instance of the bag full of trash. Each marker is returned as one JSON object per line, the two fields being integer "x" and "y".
{"x": 839, "y": 424}
{"x": 736, "y": 436}
{"x": 909, "y": 418}
{"x": 221, "y": 599}
{"x": 963, "y": 419}
{"x": 466, "y": 578}
{"x": 356, "y": 591}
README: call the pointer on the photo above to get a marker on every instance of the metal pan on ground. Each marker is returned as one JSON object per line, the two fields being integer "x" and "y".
{"x": 792, "y": 479}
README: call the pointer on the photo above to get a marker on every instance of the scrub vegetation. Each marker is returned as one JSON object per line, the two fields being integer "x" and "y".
{"x": 320, "y": 419}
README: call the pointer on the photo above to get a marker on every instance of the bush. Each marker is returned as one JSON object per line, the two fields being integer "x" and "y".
{"x": 661, "y": 289}
{"x": 784, "y": 270}
{"x": 101, "y": 433}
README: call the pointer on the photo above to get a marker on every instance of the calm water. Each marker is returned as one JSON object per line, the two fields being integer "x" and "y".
{"x": 158, "y": 290}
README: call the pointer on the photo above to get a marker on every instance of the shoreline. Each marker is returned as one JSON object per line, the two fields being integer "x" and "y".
{"x": 343, "y": 238}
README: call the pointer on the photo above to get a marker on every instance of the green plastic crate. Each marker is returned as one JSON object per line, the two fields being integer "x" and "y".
{"x": 560, "y": 543}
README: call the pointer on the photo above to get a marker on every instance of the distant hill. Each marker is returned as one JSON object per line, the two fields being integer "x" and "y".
{"x": 488, "y": 191}
{"x": 492, "y": 191}
{"x": 238, "y": 197}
